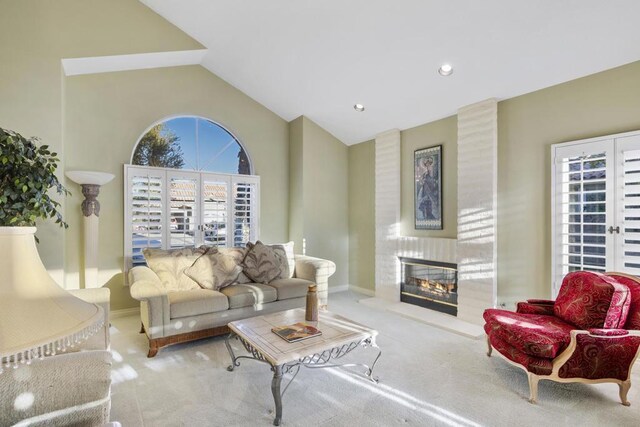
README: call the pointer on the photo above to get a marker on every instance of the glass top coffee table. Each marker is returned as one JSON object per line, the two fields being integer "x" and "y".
{"x": 339, "y": 337}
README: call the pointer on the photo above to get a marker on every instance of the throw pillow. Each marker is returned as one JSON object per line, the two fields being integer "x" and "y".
{"x": 261, "y": 264}
{"x": 169, "y": 266}
{"x": 238, "y": 255}
{"x": 214, "y": 270}
{"x": 285, "y": 253}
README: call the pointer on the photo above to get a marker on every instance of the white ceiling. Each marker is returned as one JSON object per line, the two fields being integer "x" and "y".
{"x": 319, "y": 57}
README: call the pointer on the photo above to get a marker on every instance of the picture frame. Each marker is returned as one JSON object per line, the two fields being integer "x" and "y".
{"x": 427, "y": 165}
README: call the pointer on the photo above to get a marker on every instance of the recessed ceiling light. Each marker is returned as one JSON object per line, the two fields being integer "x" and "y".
{"x": 445, "y": 70}
{"x": 359, "y": 108}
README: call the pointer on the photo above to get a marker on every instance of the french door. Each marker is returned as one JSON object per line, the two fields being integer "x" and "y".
{"x": 168, "y": 208}
{"x": 595, "y": 206}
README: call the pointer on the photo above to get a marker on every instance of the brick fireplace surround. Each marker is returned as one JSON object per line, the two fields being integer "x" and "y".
{"x": 475, "y": 248}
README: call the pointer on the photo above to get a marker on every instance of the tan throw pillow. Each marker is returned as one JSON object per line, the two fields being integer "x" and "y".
{"x": 170, "y": 264}
{"x": 214, "y": 270}
{"x": 261, "y": 264}
{"x": 238, "y": 255}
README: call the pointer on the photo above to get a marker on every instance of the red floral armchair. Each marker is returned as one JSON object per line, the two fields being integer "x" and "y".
{"x": 589, "y": 334}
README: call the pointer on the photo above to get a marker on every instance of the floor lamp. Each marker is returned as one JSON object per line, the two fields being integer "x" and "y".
{"x": 91, "y": 183}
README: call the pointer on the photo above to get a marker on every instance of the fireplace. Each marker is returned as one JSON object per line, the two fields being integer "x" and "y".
{"x": 429, "y": 284}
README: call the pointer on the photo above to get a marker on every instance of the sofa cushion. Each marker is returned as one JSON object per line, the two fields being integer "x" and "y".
{"x": 196, "y": 301}
{"x": 290, "y": 288}
{"x": 214, "y": 270}
{"x": 592, "y": 300}
{"x": 249, "y": 294}
{"x": 533, "y": 334}
{"x": 261, "y": 264}
{"x": 169, "y": 266}
{"x": 633, "y": 283}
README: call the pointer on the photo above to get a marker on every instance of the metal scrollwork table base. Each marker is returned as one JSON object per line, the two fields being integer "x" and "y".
{"x": 326, "y": 352}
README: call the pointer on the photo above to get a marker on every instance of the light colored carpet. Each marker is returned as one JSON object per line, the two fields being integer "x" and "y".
{"x": 428, "y": 377}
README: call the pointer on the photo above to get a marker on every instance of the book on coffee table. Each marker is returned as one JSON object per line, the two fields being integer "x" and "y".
{"x": 296, "y": 332}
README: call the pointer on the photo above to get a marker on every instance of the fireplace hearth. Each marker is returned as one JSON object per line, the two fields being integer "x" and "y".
{"x": 429, "y": 284}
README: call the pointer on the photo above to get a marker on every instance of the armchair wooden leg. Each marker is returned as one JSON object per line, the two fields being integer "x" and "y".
{"x": 489, "y": 348}
{"x": 624, "y": 389}
{"x": 533, "y": 387}
{"x": 153, "y": 348}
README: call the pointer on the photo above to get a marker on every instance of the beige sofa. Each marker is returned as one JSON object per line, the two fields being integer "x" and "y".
{"x": 171, "y": 315}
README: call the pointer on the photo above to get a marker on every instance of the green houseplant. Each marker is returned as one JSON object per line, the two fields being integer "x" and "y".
{"x": 27, "y": 173}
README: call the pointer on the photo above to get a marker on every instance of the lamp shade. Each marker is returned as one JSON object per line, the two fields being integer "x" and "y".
{"x": 37, "y": 317}
{"x": 90, "y": 177}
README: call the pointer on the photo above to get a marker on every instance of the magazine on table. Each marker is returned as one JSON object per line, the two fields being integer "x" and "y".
{"x": 296, "y": 332}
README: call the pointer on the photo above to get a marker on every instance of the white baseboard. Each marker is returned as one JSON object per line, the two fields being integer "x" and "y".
{"x": 125, "y": 312}
{"x": 348, "y": 287}
{"x": 364, "y": 291}
{"x": 339, "y": 288}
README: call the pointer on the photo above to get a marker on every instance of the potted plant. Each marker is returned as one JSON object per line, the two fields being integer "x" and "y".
{"x": 27, "y": 174}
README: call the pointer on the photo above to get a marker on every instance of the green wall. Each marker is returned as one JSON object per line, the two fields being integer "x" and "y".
{"x": 94, "y": 121}
{"x": 442, "y": 132}
{"x": 319, "y": 203}
{"x": 600, "y": 104}
{"x": 34, "y": 36}
{"x": 107, "y": 113}
{"x": 362, "y": 242}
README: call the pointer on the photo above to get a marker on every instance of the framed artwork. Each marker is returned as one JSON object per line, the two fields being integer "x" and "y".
{"x": 427, "y": 164}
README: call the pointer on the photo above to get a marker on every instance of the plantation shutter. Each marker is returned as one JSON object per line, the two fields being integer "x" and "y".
{"x": 168, "y": 208}
{"x": 184, "y": 198}
{"x": 216, "y": 199}
{"x": 582, "y": 209}
{"x": 245, "y": 208}
{"x": 626, "y": 230}
{"x": 144, "y": 208}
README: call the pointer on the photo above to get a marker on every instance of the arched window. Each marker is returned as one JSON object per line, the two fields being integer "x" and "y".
{"x": 189, "y": 184}
{"x": 191, "y": 143}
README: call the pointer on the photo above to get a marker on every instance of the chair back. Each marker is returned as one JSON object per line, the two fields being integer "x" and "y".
{"x": 633, "y": 283}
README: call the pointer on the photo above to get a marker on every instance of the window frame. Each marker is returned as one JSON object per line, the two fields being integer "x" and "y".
{"x": 165, "y": 175}
{"x": 192, "y": 116}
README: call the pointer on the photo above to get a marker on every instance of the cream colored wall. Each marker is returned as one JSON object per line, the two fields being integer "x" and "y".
{"x": 34, "y": 36}
{"x": 296, "y": 183}
{"x": 361, "y": 215}
{"x": 319, "y": 204}
{"x": 107, "y": 113}
{"x": 442, "y": 132}
{"x": 600, "y": 104}
{"x": 93, "y": 121}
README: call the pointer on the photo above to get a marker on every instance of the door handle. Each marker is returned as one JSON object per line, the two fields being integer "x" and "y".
{"x": 611, "y": 230}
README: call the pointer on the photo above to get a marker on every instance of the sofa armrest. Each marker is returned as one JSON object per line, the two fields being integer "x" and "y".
{"x": 318, "y": 271}
{"x": 145, "y": 284}
{"x": 147, "y": 288}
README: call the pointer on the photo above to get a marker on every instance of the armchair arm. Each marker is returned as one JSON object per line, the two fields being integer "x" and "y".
{"x": 594, "y": 356}
{"x": 533, "y": 308}
{"x": 608, "y": 332}
{"x": 147, "y": 288}
{"x": 541, "y": 301}
{"x": 318, "y": 271}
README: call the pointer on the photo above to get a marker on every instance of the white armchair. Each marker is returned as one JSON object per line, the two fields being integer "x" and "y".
{"x": 66, "y": 389}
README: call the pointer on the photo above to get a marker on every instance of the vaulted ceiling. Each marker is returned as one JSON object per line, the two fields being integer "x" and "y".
{"x": 320, "y": 57}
